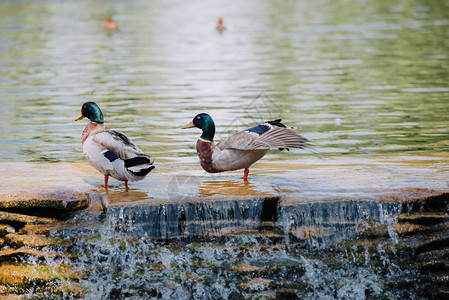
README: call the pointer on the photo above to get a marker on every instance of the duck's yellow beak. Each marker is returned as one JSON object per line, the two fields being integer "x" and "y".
{"x": 190, "y": 125}
{"x": 79, "y": 117}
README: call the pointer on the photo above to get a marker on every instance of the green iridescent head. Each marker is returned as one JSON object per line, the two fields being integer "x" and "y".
{"x": 91, "y": 111}
{"x": 206, "y": 124}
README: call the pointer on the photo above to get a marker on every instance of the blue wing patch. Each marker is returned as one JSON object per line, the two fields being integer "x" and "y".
{"x": 110, "y": 155}
{"x": 259, "y": 129}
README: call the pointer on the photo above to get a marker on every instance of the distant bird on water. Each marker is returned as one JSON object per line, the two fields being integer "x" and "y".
{"x": 242, "y": 149}
{"x": 220, "y": 26}
{"x": 110, "y": 25}
{"x": 111, "y": 152}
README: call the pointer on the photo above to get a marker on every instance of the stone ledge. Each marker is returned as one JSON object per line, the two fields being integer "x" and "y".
{"x": 25, "y": 219}
{"x": 57, "y": 200}
{"x": 23, "y": 274}
{"x": 31, "y": 240}
{"x": 10, "y": 254}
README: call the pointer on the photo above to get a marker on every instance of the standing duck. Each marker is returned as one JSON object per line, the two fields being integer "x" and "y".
{"x": 242, "y": 149}
{"x": 220, "y": 27}
{"x": 110, "y": 25}
{"x": 111, "y": 152}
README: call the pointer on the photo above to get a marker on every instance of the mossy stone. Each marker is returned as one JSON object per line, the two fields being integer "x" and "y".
{"x": 32, "y": 240}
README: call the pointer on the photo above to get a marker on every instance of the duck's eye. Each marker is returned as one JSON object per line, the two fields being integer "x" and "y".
{"x": 198, "y": 117}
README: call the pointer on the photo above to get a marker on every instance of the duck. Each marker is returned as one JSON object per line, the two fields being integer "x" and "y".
{"x": 244, "y": 148}
{"x": 110, "y": 25}
{"x": 110, "y": 151}
{"x": 220, "y": 27}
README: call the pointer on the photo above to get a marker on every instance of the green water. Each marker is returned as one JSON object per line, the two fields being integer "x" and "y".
{"x": 355, "y": 77}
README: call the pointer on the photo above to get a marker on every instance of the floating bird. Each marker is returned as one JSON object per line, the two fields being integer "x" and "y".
{"x": 220, "y": 26}
{"x": 242, "y": 149}
{"x": 110, "y": 25}
{"x": 111, "y": 152}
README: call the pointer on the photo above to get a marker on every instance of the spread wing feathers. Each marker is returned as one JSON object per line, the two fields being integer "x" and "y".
{"x": 119, "y": 144}
{"x": 279, "y": 137}
{"x": 264, "y": 136}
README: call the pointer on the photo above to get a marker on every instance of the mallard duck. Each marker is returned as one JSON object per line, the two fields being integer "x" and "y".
{"x": 220, "y": 26}
{"x": 242, "y": 149}
{"x": 110, "y": 25}
{"x": 111, "y": 152}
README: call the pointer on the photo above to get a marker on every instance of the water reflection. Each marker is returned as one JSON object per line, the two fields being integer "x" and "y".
{"x": 229, "y": 188}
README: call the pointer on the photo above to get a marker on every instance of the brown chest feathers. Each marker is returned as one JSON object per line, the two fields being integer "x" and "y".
{"x": 205, "y": 150}
{"x": 91, "y": 128}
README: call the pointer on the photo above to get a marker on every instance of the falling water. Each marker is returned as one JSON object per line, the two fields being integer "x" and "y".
{"x": 236, "y": 250}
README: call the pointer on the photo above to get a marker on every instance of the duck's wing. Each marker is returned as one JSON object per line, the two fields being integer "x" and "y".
{"x": 271, "y": 134}
{"x": 118, "y": 143}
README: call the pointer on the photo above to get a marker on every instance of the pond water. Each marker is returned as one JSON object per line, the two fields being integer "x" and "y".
{"x": 359, "y": 78}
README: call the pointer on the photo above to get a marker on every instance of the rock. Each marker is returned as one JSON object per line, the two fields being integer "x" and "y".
{"x": 36, "y": 229}
{"x": 44, "y": 188}
{"x": 25, "y": 275}
{"x": 408, "y": 229}
{"x": 422, "y": 200}
{"x": 7, "y": 217}
{"x": 4, "y": 289}
{"x": 424, "y": 218}
{"x": 287, "y": 294}
{"x": 434, "y": 243}
{"x": 6, "y": 229}
{"x": 71, "y": 288}
{"x": 32, "y": 240}
{"x": 434, "y": 266}
{"x": 256, "y": 284}
{"x": 62, "y": 200}
{"x": 247, "y": 269}
{"x": 14, "y": 254}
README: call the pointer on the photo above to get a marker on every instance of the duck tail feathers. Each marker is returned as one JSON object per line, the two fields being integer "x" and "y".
{"x": 140, "y": 165}
{"x": 277, "y": 123}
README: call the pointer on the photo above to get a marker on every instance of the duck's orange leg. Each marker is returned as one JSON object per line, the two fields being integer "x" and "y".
{"x": 106, "y": 177}
{"x": 245, "y": 175}
{"x": 126, "y": 184}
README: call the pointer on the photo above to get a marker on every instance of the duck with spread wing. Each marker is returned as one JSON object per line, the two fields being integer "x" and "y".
{"x": 242, "y": 149}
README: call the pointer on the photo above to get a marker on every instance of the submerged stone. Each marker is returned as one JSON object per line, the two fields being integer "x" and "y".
{"x": 424, "y": 218}
{"x": 256, "y": 284}
{"x": 6, "y": 217}
{"x": 25, "y": 275}
{"x": 44, "y": 229}
{"x": 6, "y": 229}
{"x": 25, "y": 253}
{"x": 17, "y": 240}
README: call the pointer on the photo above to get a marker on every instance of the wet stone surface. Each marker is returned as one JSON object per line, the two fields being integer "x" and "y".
{"x": 33, "y": 262}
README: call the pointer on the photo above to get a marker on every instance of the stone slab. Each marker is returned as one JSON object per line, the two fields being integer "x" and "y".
{"x": 70, "y": 186}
